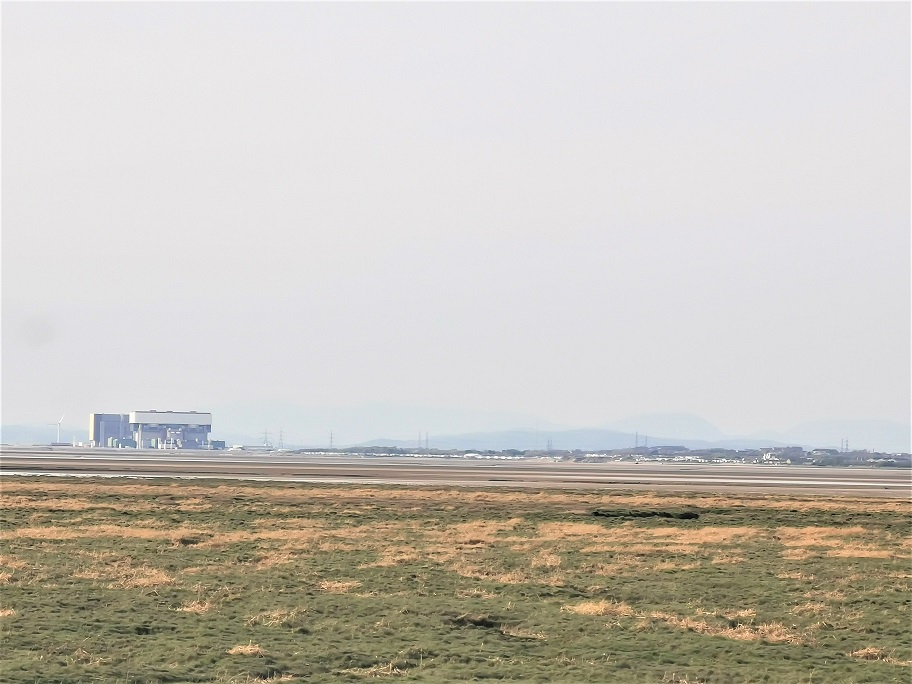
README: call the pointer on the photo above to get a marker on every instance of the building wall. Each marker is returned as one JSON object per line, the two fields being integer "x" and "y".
{"x": 171, "y": 429}
{"x": 171, "y": 418}
{"x": 106, "y": 426}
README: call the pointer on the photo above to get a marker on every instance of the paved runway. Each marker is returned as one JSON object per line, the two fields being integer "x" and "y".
{"x": 538, "y": 473}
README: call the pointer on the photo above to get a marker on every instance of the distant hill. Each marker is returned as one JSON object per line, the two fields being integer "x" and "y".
{"x": 659, "y": 429}
{"x": 874, "y": 435}
{"x": 878, "y": 435}
{"x": 586, "y": 440}
{"x": 40, "y": 434}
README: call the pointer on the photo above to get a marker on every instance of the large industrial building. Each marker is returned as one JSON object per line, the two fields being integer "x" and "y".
{"x": 110, "y": 430}
{"x": 152, "y": 430}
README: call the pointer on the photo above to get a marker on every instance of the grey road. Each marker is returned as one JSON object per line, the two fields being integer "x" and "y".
{"x": 538, "y": 473}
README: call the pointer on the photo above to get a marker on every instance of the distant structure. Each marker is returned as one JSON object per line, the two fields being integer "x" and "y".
{"x": 110, "y": 430}
{"x": 152, "y": 430}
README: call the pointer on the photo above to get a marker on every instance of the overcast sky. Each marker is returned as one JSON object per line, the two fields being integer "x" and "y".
{"x": 579, "y": 212}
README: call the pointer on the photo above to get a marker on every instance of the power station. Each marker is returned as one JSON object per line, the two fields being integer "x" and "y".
{"x": 152, "y": 430}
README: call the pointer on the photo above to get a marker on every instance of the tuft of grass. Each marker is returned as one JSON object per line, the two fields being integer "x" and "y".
{"x": 13, "y": 563}
{"x": 733, "y": 615}
{"x": 806, "y": 576}
{"x": 276, "y": 618}
{"x": 546, "y": 559}
{"x": 601, "y": 608}
{"x": 475, "y": 592}
{"x": 388, "y": 670}
{"x": 727, "y": 558}
{"x": 248, "y": 649}
{"x": 339, "y": 586}
{"x": 522, "y": 633}
{"x": 197, "y": 607}
{"x": 773, "y": 632}
{"x": 875, "y": 653}
{"x": 809, "y": 608}
{"x": 142, "y": 577}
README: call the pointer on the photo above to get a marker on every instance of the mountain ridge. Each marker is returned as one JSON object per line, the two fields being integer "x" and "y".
{"x": 694, "y": 433}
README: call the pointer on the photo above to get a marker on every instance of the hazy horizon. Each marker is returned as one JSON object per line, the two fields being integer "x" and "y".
{"x": 576, "y": 213}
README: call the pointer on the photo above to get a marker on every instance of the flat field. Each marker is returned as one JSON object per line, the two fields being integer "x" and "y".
{"x": 115, "y": 580}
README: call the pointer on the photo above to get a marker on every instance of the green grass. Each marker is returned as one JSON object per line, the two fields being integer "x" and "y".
{"x": 175, "y": 581}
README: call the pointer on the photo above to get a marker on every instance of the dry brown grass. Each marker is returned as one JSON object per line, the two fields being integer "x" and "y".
{"x": 773, "y": 632}
{"x": 831, "y": 594}
{"x": 194, "y": 504}
{"x": 667, "y": 565}
{"x": 63, "y": 503}
{"x": 673, "y": 678}
{"x": 270, "y": 559}
{"x": 705, "y": 535}
{"x": 141, "y": 578}
{"x": 5, "y": 577}
{"x": 311, "y": 535}
{"x": 798, "y": 554}
{"x": 339, "y": 586}
{"x": 860, "y": 551}
{"x": 82, "y": 657}
{"x": 727, "y": 559}
{"x": 875, "y": 653}
{"x": 477, "y": 533}
{"x": 120, "y": 572}
{"x": 13, "y": 563}
{"x": 797, "y": 576}
{"x": 7, "y": 612}
{"x": 562, "y": 531}
{"x": 633, "y": 539}
{"x": 275, "y": 618}
{"x": 388, "y": 670}
{"x": 546, "y": 559}
{"x": 619, "y": 565}
{"x": 809, "y": 608}
{"x": 818, "y": 535}
{"x": 729, "y": 614}
{"x": 601, "y": 608}
{"x": 58, "y": 533}
{"x": 475, "y": 592}
{"x": 465, "y": 569}
{"x": 195, "y": 607}
{"x": 89, "y": 574}
{"x": 513, "y": 577}
{"x": 392, "y": 556}
{"x": 248, "y": 649}
{"x": 868, "y": 653}
{"x": 522, "y": 633}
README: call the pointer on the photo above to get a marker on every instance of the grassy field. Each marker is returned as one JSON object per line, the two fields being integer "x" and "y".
{"x": 168, "y": 581}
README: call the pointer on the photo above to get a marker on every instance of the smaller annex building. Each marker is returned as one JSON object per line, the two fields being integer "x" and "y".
{"x": 151, "y": 429}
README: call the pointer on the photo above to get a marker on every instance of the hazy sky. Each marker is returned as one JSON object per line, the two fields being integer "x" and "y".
{"x": 575, "y": 211}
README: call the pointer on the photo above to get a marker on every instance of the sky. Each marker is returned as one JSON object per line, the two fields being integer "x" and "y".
{"x": 569, "y": 212}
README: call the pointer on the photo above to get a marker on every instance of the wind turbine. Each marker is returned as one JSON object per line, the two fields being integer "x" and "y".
{"x": 58, "y": 427}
